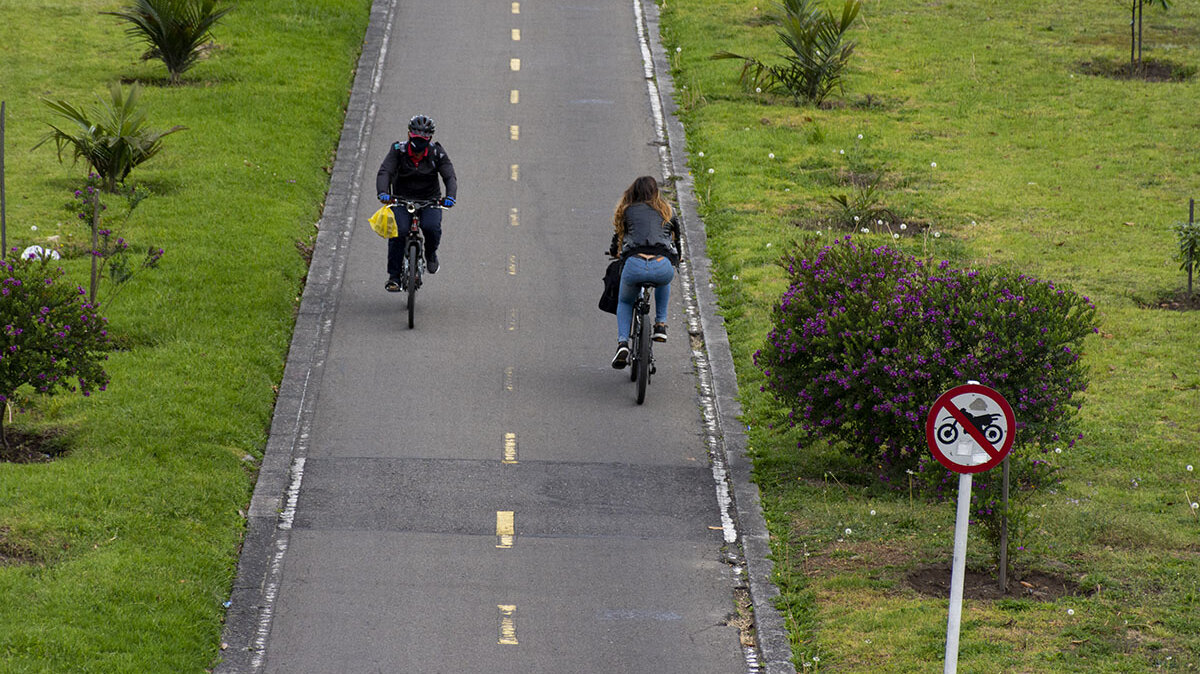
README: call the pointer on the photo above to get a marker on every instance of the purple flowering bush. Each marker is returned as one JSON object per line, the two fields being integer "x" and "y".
{"x": 51, "y": 338}
{"x": 865, "y": 340}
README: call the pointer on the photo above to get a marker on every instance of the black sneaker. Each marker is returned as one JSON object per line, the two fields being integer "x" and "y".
{"x": 392, "y": 285}
{"x": 621, "y": 359}
{"x": 431, "y": 264}
{"x": 660, "y": 332}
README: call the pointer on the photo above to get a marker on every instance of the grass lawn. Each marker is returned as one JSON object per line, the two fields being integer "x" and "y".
{"x": 978, "y": 122}
{"x": 117, "y": 555}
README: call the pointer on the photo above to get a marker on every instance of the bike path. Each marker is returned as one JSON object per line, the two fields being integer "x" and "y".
{"x": 481, "y": 493}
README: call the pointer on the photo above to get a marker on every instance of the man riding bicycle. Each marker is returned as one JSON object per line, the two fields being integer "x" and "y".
{"x": 646, "y": 236}
{"x": 410, "y": 171}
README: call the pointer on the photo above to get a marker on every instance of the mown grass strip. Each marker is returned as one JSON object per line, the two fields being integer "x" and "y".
{"x": 987, "y": 129}
{"x": 128, "y": 543}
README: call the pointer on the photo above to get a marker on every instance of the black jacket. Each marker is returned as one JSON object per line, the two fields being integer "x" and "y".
{"x": 399, "y": 177}
{"x": 646, "y": 232}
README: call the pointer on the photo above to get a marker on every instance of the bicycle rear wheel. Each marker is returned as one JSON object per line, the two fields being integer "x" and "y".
{"x": 642, "y": 367}
{"x": 414, "y": 258}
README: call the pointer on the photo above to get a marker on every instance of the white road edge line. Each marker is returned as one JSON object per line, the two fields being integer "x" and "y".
{"x": 708, "y": 403}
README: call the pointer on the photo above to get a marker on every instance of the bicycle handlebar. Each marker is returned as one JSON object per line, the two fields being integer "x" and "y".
{"x": 414, "y": 205}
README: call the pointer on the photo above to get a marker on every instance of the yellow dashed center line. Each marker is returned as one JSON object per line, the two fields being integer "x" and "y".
{"x": 513, "y": 217}
{"x": 514, "y": 96}
{"x": 516, "y": 8}
{"x": 505, "y": 529}
{"x": 514, "y": 172}
{"x": 510, "y": 448}
{"x": 514, "y": 132}
{"x": 514, "y": 64}
{"x": 509, "y": 379}
{"x": 508, "y": 624}
{"x": 512, "y": 265}
{"x": 516, "y": 34}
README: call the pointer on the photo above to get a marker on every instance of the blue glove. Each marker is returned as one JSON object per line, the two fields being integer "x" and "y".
{"x": 448, "y": 202}
{"x": 385, "y": 197}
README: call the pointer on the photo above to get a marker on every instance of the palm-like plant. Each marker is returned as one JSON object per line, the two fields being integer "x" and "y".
{"x": 175, "y": 31}
{"x": 819, "y": 52}
{"x": 111, "y": 136}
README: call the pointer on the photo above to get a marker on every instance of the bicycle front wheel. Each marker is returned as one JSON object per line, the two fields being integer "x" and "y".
{"x": 414, "y": 257}
{"x": 642, "y": 367}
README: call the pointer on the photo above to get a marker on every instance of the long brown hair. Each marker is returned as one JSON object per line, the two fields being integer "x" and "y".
{"x": 643, "y": 190}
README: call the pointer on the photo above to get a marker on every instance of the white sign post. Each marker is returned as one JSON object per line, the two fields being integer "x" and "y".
{"x": 969, "y": 430}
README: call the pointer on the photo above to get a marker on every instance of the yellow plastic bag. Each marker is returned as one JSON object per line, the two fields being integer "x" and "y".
{"x": 384, "y": 223}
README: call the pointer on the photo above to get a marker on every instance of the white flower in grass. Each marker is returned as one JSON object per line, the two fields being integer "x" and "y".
{"x": 860, "y": 136}
{"x": 1195, "y": 505}
{"x": 841, "y": 152}
{"x": 1189, "y": 468}
{"x": 865, "y": 230}
{"x": 711, "y": 171}
{"x": 872, "y": 513}
{"x": 701, "y": 154}
{"x": 895, "y": 236}
{"x": 769, "y": 244}
{"x": 903, "y": 226}
{"x": 933, "y": 164}
{"x": 856, "y": 218}
{"x": 937, "y": 235}
{"x": 1070, "y": 611}
{"x": 818, "y": 232}
{"x": 879, "y": 222}
{"x": 770, "y": 155}
{"x": 33, "y": 227}
{"x": 758, "y": 90}
{"x": 678, "y": 49}
{"x": 1058, "y": 450}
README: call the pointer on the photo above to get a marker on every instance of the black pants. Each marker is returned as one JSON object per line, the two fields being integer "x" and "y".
{"x": 431, "y": 227}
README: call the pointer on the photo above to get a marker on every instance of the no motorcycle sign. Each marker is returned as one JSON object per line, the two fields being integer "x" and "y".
{"x": 970, "y": 428}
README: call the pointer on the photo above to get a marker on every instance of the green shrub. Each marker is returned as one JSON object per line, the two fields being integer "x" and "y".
{"x": 865, "y": 341}
{"x": 818, "y": 52}
{"x": 1188, "y": 237}
{"x": 51, "y": 338}
{"x": 111, "y": 136}
{"x": 174, "y": 31}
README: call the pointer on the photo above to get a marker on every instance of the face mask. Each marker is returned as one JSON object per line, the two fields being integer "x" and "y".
{"x": 418, "y": 144}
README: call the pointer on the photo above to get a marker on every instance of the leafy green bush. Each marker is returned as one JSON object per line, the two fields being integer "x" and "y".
{"x": 111, "y": 136}
{"x": 818, "y": 52}
{"x": 175, "y": 31}
{"x": 865, "y": 341}
{"x": 1188, "y": 236}
{"x": 51, "y": 338}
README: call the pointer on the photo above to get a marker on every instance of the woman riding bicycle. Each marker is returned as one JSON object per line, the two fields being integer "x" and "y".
{"x": 646, "y": 237}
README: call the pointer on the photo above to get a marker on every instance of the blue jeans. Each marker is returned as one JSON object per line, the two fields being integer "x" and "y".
{"x": 640, "y": 270}
{"x": 431, "y": 228}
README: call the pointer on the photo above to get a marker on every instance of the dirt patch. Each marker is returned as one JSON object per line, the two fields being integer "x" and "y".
{"x": 934, "y": 581}
{"x": 1180, "y": 301}
{"x": 32, "y": 447}
{"x": 14, "y": 553}
{"x": 1150, "y": 70}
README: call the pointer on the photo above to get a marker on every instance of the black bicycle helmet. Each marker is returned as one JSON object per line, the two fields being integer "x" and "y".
{"x": 421, "y": 125}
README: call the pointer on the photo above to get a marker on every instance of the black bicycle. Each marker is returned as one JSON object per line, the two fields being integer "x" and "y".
{"x": 414, "y": 250}
{"x": 641, "y": 351}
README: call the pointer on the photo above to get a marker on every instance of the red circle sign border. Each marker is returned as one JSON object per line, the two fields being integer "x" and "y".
{"x": 944, "y": 401}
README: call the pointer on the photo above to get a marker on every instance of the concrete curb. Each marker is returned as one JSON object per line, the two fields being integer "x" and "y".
{"x": 775, "y": 651}
{"x": 247, "y": 621}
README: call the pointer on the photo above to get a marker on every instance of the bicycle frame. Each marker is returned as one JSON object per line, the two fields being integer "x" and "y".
{"x": 641, "y": 351}
{"x": 414, "y": 250}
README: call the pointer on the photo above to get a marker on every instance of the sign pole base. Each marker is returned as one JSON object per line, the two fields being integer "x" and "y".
{"x": 958, "y": 572}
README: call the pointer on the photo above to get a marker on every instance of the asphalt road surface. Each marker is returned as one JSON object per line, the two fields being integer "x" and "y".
{"x": 481, "y": 493}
